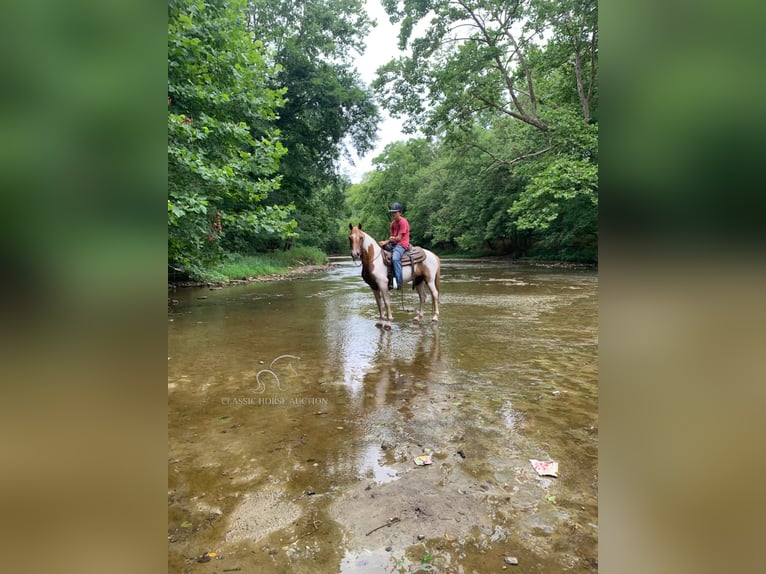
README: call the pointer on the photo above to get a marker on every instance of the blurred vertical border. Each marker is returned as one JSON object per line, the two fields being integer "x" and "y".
{"x": 682, "y": 285}
{"x": 83, "y": 254}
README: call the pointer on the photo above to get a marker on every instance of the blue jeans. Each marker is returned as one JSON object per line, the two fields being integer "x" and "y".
{"x": 396, "y": 258}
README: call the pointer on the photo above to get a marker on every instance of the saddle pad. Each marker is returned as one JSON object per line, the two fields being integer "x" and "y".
{"x": 417, "y": 253}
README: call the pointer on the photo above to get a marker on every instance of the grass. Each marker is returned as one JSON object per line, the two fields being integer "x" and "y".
{"x": 237, "y": 266}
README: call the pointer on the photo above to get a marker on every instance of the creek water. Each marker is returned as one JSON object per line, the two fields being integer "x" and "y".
{"x": 294, "y": 423}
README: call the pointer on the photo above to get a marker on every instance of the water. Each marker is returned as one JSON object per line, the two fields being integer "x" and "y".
{"x": 294, "y": 422}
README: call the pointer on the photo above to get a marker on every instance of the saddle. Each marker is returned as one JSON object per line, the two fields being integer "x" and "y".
{"x": 410, "y": 257}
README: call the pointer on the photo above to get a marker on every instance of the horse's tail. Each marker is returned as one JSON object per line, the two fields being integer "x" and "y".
{"x": 438, "y": 273}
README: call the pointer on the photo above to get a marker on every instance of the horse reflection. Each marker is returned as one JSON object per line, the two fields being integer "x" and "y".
{"x": 401, "y": 371}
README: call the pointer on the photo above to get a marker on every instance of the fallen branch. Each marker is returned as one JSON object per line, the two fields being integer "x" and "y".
{"x": 389, "y": 523}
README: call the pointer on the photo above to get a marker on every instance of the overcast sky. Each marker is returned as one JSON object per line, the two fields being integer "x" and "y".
{"x": 381, "y": 47}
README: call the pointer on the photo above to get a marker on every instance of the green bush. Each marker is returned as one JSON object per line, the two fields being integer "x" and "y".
{"x": 237, "y": 266}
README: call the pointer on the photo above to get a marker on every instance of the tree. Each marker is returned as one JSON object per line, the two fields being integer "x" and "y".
{"x": 398, "y": 177}
{"x": 223, "y": 146}
{"x": 528, "y": 67}
{"x": 327, "y": 106}
{"x": 475, "y": 54}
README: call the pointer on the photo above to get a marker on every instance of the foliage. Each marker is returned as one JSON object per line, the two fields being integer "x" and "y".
{"x": 223, "y": 148}
{"x": 452, "y": 198}
{"x": 320, "y": 220}
{"x": 398, "y": 177}
{"x": 327, "y": 106}
{"x": 508, "y": 95}
{"x": 264, "y": 101}
{"x": 237, "y": 266}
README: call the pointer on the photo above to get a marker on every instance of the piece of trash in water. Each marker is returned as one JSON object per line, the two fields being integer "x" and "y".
{"x": 545, "y": 467}
{"x": 461, "y": 453}
{"x": 186, "y": 524}
{"x": 449, "y": 537}
{"x": 423, "y": 460}
{"x": 551, "y": 498}
{"x": 206, "y": 557}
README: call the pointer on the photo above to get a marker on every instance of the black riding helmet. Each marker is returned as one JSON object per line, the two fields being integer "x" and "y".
{"x": 396, "y": 207}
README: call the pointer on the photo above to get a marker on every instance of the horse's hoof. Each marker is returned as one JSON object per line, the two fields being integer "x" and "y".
{"x": 416, "y": 319}
{"x": 387, "y": 327}
{"x": 435, "y": 320}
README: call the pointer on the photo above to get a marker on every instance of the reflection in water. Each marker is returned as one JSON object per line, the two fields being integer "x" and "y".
{"x": 360, "y": 351}
{"x": 350, "y": 343}
{"x": 370, "y": 464}
{"x": 509, "y": 374}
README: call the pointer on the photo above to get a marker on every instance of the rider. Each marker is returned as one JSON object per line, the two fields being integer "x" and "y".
{"x": 400, "y": 238}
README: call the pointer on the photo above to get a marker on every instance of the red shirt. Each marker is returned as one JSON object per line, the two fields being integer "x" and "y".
{"x": 402, "y": 226}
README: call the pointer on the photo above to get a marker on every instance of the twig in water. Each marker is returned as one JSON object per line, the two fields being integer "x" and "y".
{"x": 389, "y": 523}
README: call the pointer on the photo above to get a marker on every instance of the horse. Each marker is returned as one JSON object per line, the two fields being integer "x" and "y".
{"x": 375, "y": 274}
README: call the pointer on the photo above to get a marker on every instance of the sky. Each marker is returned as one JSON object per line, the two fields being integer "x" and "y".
{"x": 381, "y": 47}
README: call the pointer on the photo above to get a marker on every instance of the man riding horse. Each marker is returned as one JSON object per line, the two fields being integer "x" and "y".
{"x": 399, "y": 240}
{"x": 421, "y": 267}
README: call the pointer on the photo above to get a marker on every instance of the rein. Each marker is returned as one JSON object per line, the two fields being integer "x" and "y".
{"x": 401, "y": 298}
{"x": 380, "y": 252}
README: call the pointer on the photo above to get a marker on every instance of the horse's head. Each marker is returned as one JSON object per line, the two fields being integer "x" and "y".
{"x": 355, "y": 240}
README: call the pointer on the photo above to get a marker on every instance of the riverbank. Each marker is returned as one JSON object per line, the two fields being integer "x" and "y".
{"x": 546, "y": 263}
{"x": 288, "y": 274}
{"x": 303, "y": 270}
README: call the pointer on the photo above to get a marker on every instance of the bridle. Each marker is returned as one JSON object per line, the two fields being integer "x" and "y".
{"x": 380, "y": 252}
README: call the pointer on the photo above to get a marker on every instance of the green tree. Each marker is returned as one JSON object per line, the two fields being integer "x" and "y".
{"x": 527, "y": 69}
{"x": 327, "y": 109}
{"x": 399, "y": 176}
{"x": 223, "y": 147}
{"x": 475, "y": 55}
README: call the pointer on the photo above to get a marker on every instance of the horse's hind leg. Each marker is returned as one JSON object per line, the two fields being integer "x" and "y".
{"x": 421, "y": 288}
{"x": 433, "y": 287}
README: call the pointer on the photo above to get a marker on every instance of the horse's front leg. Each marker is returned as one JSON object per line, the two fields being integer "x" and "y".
{"x": 387, "y": 303}
{"x": 378, "y": 300}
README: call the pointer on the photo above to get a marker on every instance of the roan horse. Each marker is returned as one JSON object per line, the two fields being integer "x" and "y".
{"x": 375, "y": 274}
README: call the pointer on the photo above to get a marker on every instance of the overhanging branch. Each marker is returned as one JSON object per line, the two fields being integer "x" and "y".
{"x": 526, "y": 119}
{"x": 510, "y": 162}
